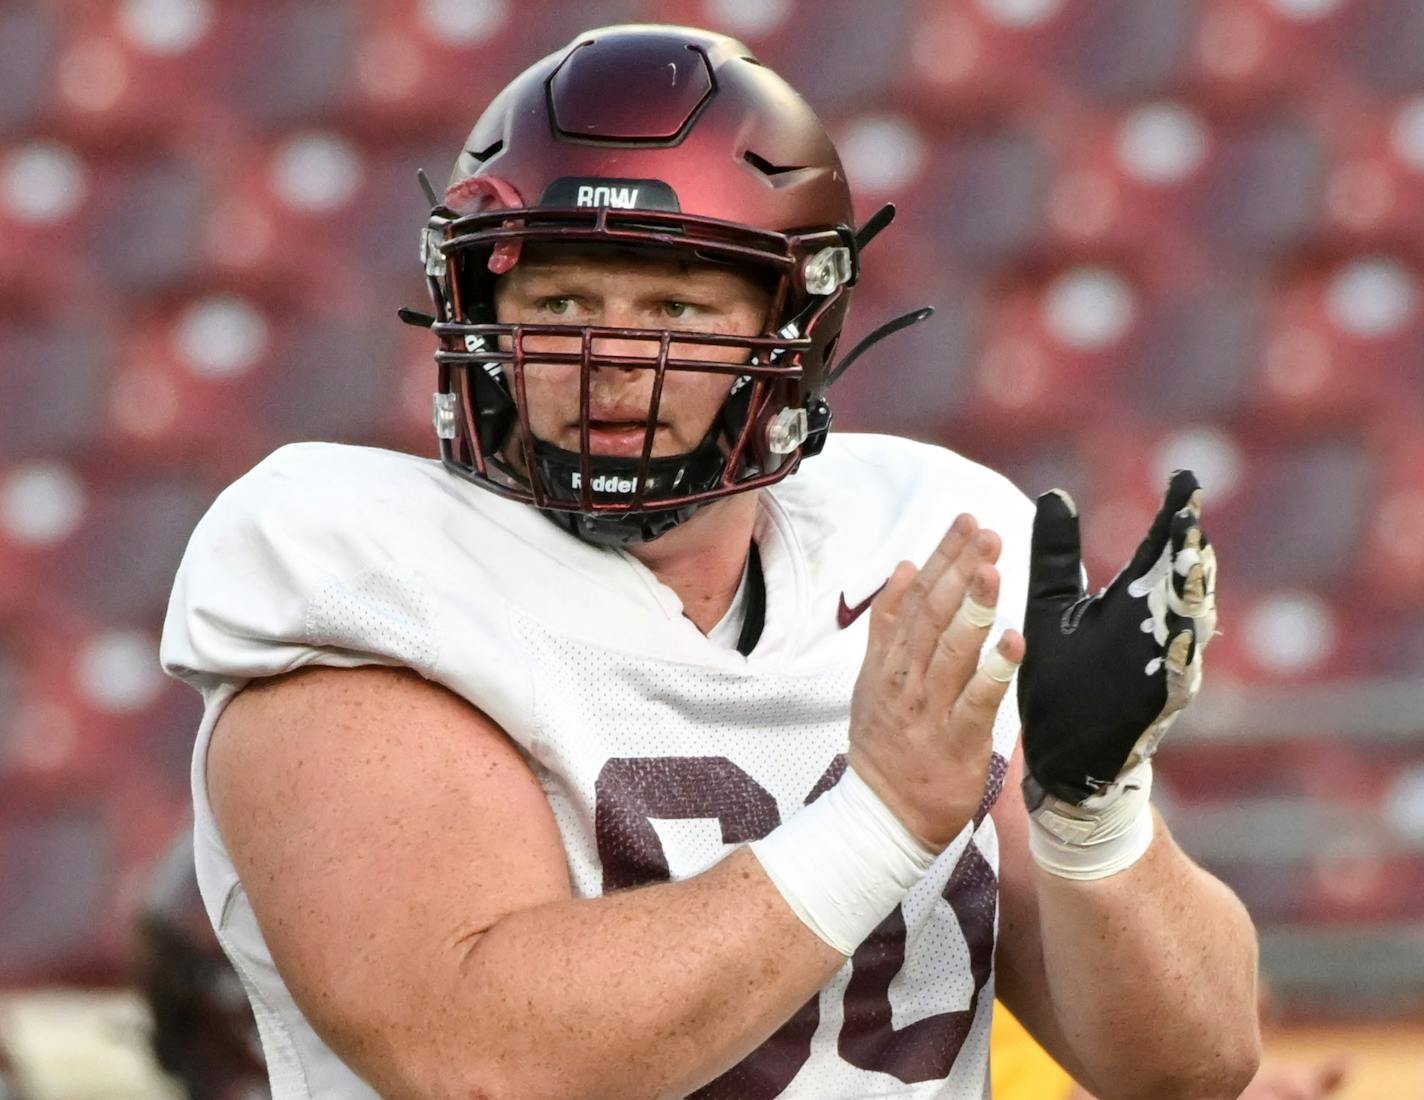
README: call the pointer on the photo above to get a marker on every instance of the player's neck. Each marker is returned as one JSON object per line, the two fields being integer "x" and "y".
{"x": 703, "y": 559}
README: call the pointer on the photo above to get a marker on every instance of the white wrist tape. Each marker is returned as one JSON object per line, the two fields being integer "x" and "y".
{"x": 1106, "y": 834}
{"x": 843, "y": 862}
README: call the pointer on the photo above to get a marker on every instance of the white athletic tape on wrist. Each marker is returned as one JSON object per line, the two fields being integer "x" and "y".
{"x": 1106, "y": 834}
{"x": 843, "y": 862}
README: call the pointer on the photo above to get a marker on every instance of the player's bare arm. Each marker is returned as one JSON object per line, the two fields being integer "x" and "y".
{"x": 1139, "y": 979}
{"x": 411, "y": 885}
{"x": 1129, "y": 979}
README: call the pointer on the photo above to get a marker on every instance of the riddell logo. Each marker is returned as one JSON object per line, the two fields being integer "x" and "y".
{"x": 605, "y": 483}
{"x": 622, "y": 198}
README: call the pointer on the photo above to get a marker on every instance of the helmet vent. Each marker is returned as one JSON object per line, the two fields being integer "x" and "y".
{"x": 766, "y": 168}
{"x": 485, "y": 154}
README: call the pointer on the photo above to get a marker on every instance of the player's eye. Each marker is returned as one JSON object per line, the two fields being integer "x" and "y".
{"x": 559, "y": 306}
{"x": 676, "y": 310}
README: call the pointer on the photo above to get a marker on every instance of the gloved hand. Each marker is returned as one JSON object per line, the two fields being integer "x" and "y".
{"x": 1104, "y": 676}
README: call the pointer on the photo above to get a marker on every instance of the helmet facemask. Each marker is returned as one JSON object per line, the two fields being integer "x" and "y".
{"x": 758, "y": 436}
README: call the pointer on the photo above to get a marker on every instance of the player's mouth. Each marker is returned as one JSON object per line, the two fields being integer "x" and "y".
{"x": 617, "y": 436}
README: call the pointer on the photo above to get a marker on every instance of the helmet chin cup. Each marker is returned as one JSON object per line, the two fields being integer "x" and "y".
{"x": 614, "y": 501}
{"x": 818, "y": 425}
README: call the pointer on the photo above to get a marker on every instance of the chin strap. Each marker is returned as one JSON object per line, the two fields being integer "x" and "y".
{"x": 889, "y": 328}
{"x": 862, "y": 237}
{"x": 873, "y": 225}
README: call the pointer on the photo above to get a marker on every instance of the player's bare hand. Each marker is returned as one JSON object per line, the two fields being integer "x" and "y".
{"x": 923, "y": 711}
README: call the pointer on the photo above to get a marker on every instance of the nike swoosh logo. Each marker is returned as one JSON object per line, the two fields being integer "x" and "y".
{"x": 845, "y": 614}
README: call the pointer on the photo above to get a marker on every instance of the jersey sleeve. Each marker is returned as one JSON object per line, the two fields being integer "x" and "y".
{"x": 329, "y": 556}
{"x": 274, "y": 579}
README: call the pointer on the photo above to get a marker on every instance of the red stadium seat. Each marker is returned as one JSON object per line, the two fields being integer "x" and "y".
{"x": 28, "y": 37}
{"x": 335, "y": 377}
{"x": 973, "y": 209}
{"x": 74, "y": 871}
{"x": 419, "y": 65}
{"x": 1260, "y": 197}
{"x": 1381, "y": 43}
{"x": 1129, "y": 182}
{"x": 1391, "y": 567}
{"x": 42, "y": 505}
{"x": 1247, "y": 52}
{"x": 286, "y": 62}
{"x": 277, "y": 222}
{"x": 45, "y": 191}
{"x": 1374, "y": 194}
{"x": 1339, "y": 338}
{"x": 85, "y": 227}
{"x": 186, "y": 379}
{"x": 58, "y": 706}
{"x": 1052, "y": 349}
{"x": 116, "y": 559}
{"x": 1109, "y": 50}
{"x": 1212, "y": 773}
{"x": 58, "y": 867}
{"x": 1357, "y": 879}
{"x": 53, "y": 372}
{"x": 916, "y": 376}
{"x": 1298, "y": 516}
{"x": 141, "y": 72}
{"x": 972, "y": 60}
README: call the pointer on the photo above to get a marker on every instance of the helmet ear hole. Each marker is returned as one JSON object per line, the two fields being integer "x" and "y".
{"x": 494, "y": 408}
{"x": 734, "y": 410}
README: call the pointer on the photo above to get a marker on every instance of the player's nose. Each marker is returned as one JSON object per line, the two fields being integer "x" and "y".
{"x": 625, "y": 349}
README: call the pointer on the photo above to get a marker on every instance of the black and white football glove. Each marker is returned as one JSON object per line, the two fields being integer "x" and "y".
{"x": 1104, "y": 676}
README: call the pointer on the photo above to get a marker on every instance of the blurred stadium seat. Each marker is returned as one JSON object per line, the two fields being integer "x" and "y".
{"x": 1338, "y": 340}
{"x": 969, "y": 60}
{"x": 28, "y": 38}
{"x": 1052, "y": 349}
{"x": 1248, "y": 52}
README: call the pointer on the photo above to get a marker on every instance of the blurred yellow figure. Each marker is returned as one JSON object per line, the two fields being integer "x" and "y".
{"x": 1020, "y": 1069}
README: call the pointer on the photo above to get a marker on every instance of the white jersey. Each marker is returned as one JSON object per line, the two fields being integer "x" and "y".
{"x": 659, "y": 749}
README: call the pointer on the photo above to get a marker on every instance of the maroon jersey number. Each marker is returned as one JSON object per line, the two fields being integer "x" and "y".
{"x": 632, "y": 791}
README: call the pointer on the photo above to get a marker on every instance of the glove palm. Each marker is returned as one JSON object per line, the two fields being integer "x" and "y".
{"x": 1105, "y": 675}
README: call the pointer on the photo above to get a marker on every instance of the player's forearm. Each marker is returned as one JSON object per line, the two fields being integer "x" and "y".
{"x": 648, "y": 992}
{"x": 1152, "y": 975}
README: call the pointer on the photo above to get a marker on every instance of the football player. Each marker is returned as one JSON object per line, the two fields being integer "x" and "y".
{"x": 573, "y": 765}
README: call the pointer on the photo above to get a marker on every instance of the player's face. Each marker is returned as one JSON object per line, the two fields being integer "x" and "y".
{"x": 553, "y": 285}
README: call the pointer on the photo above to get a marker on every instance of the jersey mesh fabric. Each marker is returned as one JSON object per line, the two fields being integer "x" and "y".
{"x": 393, "y": 611}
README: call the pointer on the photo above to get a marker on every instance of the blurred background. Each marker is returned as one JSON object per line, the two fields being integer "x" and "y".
{"x": 1157, "y": 233}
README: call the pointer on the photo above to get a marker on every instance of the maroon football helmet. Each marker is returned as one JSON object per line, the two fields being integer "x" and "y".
{"x": 666, "y": 139}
